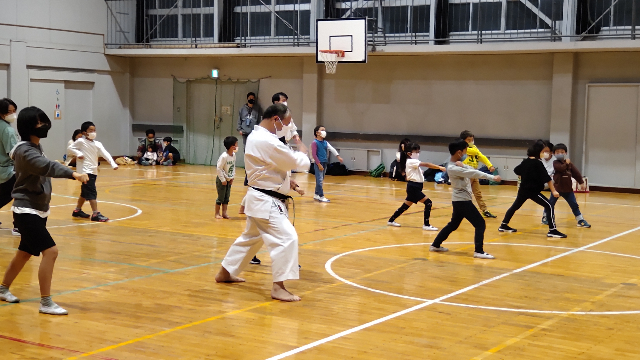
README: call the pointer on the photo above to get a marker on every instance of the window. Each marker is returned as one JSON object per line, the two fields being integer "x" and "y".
{"x": 622, "y": 13}
{"x": 459, "y": 17}
{"x": 180, "y": 19}
{"x": 394, "y": 17}
{"x": 272, "y": 18}
{"x": 489, "y": 14}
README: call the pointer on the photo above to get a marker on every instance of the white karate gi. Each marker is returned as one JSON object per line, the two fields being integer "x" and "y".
{"x": 268, "y": 163}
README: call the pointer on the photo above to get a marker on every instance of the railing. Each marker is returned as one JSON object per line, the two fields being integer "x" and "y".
{"x": 246, "y": 23}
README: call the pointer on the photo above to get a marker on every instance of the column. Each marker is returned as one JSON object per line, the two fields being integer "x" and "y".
{"x": 18, "y": 74}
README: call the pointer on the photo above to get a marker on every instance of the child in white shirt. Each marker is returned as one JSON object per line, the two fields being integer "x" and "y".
{"x": 87, "y": 152}
{"x": 150, "y": 157}
{"x": 226, "y": 172}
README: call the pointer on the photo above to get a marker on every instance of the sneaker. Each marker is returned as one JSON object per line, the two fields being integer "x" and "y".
{"x": 316, "y": 197}
{"x": 324, "y": 199}
{"x": 8, "y": 297}
{"x": 584, "y": 224}
{"x": 54, "y": 309}
{"x": 483, "y": 256}
{"x": 15, "y": 232}
{"x": 429, "y": 228}
{"x": 255, "y": 261}
{"x": 438, "y": 249}
{"x": 80, "y": 214}
{"x": 506, "y": 228}
{"x": 393, "y": 223}
{"x": 488, "y": 214}
{"x": 544, "y": 221}
{"x": 556, "y": 234}
{"x": 99, "y": 218}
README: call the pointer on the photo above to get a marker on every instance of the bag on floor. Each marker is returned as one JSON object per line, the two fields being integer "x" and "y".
{"x": 337, "y": 169}
{"x": 378, "y": 171}
{"x": 493, "y": 182}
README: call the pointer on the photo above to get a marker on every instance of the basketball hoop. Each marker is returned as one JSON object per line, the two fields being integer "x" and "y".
{"x": 330, "y": 58}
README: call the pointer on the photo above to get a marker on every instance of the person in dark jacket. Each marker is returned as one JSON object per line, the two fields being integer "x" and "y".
{"x": 534, "y": 176}
{"x": 32, "y": 194}
{"x": 564, "y": 171}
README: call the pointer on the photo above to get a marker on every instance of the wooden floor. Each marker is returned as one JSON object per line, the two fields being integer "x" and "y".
{"x": 142, "y": 287}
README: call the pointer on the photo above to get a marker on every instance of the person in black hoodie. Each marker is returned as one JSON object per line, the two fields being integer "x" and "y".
{"x": 533, "y": 175}
{"x": 32, "y": 194}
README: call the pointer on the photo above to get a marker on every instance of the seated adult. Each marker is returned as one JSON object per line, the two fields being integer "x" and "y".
{"x": 149, "y": 140}
{"x": 170, "y": 155}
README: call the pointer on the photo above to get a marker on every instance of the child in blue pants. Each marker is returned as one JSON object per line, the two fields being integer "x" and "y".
{"x": 319, "y": 151}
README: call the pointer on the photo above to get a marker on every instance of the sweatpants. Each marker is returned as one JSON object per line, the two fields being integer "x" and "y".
{"x": 475, "y": 187}
{"x": 463, "y": 210}
{"x": 280, "y": 237}
{"x": 538, "y": 198}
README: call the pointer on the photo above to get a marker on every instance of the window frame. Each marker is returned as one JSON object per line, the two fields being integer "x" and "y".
{"x": 180, "y": 11}
{"x": 273, "y": 9}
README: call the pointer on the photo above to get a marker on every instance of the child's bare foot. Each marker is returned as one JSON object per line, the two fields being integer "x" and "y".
{"x": 241, "y": 211}
{"x": 218, "y": 216}
{"x": 225, "y": 216}
{"x": 224, "y": 276}
{"x": 278, "y": 292}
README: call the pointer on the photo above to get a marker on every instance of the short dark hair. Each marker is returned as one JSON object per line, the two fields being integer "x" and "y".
{"x": 560, "y": 146}
{"x": 536, "y": 148}
{"x": 276, "y": 97}
{"x": 4, "y": 105}
{"x": 76, "y": 132}
{"x": 86, "y": 125}
{"x": 315, "y": 130}
{"x": 28, "y": 119}
{"x": 168, "y": 139}
{"x": 458, "y": 145}
{"x": 250, "y": 94}
{"x": 278, "y": 110}
{"x": 152, "y": 146}
{"x": 150, "y": 131}
{"x": 229, "y": 141}
{"x": 465, "y": 134}
{"x": 549, "y": 144}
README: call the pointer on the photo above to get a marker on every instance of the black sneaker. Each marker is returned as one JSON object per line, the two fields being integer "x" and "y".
{"x": 556, "y": 234}
{"x": 488, "y": 214}
{"x": 506, "y": 228}
{"x": 80, "y": 214}
{"x": 99, "y": 218}
{"x": 255, "y": 261}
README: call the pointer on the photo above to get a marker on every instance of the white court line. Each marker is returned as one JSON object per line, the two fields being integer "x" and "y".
{"x": 628, "y": 312}
{"x": 430, "y": 302}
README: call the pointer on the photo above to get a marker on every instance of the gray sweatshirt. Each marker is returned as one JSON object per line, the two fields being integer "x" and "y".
{"x": 33, "y": 176}
{"x": 459, "y": 177}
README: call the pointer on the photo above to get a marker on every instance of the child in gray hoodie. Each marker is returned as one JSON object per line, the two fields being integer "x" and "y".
{"x": 32, "y": 194}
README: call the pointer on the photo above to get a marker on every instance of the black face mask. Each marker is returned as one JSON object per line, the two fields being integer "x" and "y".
{"x": 251, "y": 101}
{"x": 42, "y": 131}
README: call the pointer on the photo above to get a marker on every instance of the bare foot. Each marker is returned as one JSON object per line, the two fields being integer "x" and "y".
{"x": 241, "y": 211}
{"x": 218, "y": 216}
{"x": 225, "y": 216}
{"x": 224, "y": 276}
{"x": 278, "y": 292}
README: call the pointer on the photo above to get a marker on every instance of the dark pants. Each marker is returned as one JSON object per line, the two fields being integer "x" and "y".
{"x": 224, "y": 192}
{"x": 539, "y": 199}
{"x": 244, "y": 142}
{"x": 463, "y": 210}
{"x": 571, "y": 200}
{"x": 5, "y": 191}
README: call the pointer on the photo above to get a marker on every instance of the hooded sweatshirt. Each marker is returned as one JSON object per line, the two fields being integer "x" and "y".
{"x": 33, "y": 176}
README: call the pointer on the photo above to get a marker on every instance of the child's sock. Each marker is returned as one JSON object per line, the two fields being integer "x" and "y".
{"x": 399, "y": 212}
{"x": 427, "y": 211}
{"x": 96, "y": 212}
{"x": 46, "y": 301}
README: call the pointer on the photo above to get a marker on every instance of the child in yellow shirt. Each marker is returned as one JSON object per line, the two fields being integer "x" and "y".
{"x": 474, "y": 157}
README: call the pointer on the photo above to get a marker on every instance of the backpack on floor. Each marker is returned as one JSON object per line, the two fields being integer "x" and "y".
{"x": 378, "y": 171}
{"x": 337, "y": 169}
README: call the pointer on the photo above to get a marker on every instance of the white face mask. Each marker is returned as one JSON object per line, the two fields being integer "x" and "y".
{"x": 11, "y": 118}
{"x": 472, "y": 143}
{"x": 284, "y": 103}
{"x": 415, "y": 156}
{"x": 323, "y": 134}
{"x": 286, "y": 130}
{"x": 91, "y": 135}
{"x": 545, "y": 155}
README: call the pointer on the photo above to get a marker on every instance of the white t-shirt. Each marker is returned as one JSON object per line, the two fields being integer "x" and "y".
{"x": 226, "y": 166}
{"x": 91, "y": 150}
{"x": 548, "y": 164}
{"x": 413, "y": 171}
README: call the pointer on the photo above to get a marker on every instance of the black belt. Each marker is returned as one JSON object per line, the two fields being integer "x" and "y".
{"x": 280, "y": 197}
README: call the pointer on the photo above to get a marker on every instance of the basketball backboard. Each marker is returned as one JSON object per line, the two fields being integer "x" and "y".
{"x": 349, "y": 35}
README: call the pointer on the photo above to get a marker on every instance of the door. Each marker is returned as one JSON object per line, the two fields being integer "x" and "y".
{"x": 360, "y": 160}
{"x": 200, "y": 122}
{"x": 48, "y": 96}
{"x": 511, "y": 164}
{"x": 611, "y": 130}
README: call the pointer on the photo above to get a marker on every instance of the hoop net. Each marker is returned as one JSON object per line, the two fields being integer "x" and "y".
{"x": 330, "y": 58}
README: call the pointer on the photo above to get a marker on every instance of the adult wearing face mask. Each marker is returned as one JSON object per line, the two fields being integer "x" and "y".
{"x": 8, "y": 139}
{"x": 291, "y": 132}
{"x": 149, "y": 140}
{"x": 249, "y": 116}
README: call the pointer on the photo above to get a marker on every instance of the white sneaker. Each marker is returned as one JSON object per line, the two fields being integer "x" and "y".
{"x": 316, "y": 197}
{"x": 438, "y": 249}
{"x": 54, "y": 309}
{"x": 393, "y": 223}
{"x": 429, "y": 228}
{"x": 15, "y": 232}
{"x": 483, "y": 256}
{"x": 8, "y": 297}
{"x": 323, "y": 199}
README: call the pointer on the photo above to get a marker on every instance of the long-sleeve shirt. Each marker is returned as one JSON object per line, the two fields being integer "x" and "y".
{"x": 226, "y": 166}
{"x": 474, "y": 157}
{"x": 314, "y": 152}
{"x": 268, "y": 164}
{"x": 8, "y": 139}
{"x": 548, "y": 164}
{"x": 563, "y": 174}
{"x": 248, "y": 118}
{"x": 90, "y": 150}
{"x": 459, "y": 178}
{"x": 533, "y": 175}
{"x": 151, "y": 156}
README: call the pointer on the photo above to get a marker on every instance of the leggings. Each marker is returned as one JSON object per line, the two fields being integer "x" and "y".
{"x": 539, "y": 199}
